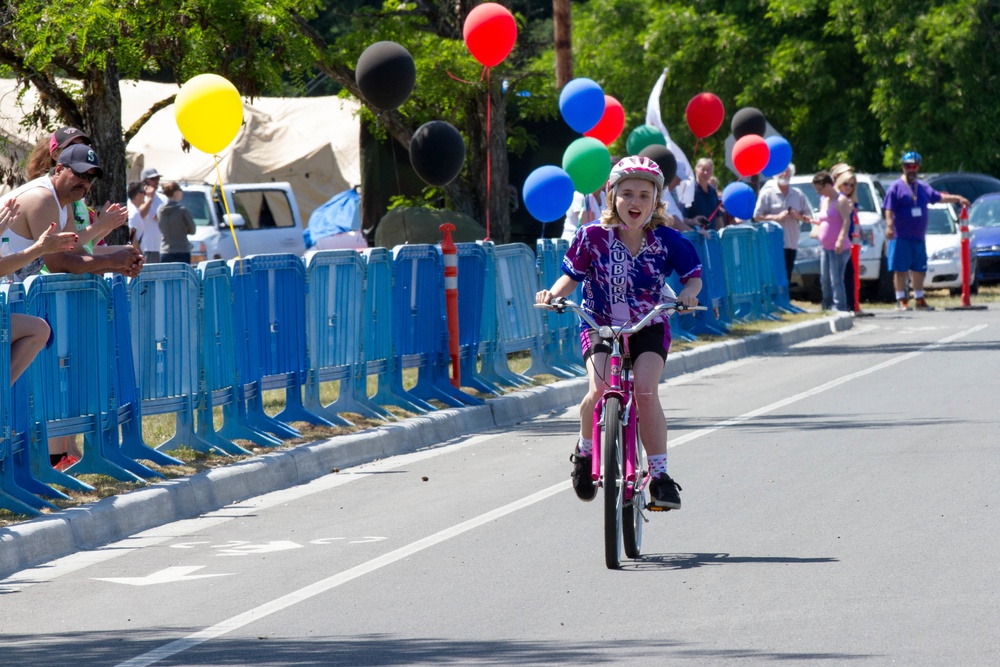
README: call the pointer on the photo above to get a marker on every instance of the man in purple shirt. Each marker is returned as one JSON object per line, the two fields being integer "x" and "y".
{"x": 905, "y": 209}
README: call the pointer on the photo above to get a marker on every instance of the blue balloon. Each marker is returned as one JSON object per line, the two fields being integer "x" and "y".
{"x": 581, "y": 104}
{"x": 739, "y": 200}
{"x": 548, "y": 193}
{"x": 781, "y": 155}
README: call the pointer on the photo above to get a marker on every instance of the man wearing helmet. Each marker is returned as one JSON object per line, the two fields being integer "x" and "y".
{"x": 905, "y": 209}
{"x": 623, "y": 262}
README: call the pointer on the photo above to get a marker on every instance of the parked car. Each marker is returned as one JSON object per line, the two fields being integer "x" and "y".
{"x": 984, "y": 220}
{"x": 264, "y": 216}
{"x": 968, "y": 184}
{"x": 944, "y": 251}
{"x": 876, "y": 280}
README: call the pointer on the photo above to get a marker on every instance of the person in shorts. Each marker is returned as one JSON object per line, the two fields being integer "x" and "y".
{"x": 623, "y": 262}
{"x": 905, "y": 209}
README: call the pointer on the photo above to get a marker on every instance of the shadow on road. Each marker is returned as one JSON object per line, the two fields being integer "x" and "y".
{"x": 99, "y": 649}
{"x": 691, "y": 561}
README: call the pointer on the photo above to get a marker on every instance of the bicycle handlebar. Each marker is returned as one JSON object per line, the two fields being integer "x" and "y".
{"x": 560, "y": 304}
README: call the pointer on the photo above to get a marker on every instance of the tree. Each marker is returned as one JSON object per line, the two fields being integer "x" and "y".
{"x": 76, "y": 54}
{"x": 450, "y": 86}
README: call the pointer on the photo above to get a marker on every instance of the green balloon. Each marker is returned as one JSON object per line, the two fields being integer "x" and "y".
{"x": 643, "y": 136}
{"x": 588, "y": 163}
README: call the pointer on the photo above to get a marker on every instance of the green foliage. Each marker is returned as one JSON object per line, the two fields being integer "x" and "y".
{"x": 861, "y": 83}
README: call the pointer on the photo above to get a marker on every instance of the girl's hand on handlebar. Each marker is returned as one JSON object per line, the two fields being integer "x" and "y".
{"x": 543, "y": 296}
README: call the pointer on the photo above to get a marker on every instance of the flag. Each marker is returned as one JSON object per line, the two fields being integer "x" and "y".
{"x": 685, "y": 189}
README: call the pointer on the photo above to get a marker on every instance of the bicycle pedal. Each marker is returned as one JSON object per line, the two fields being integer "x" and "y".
{"x": 656, "y": 508}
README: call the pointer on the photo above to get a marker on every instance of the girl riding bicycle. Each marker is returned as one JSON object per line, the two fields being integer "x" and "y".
{"x": 623, "y": 263}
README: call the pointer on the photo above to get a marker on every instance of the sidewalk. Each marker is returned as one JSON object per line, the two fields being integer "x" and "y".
{"x": 111, "y": 519}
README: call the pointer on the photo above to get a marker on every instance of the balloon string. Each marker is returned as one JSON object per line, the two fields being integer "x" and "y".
{"x": 489, "y": 149}
{"x": 225, "y": 205}
{"x": 694, "y": 151}
{"x": 715, "y": 211}
{"x": 457, "y": 79}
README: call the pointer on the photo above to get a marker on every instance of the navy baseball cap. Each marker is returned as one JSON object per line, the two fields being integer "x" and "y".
{"x": 81, "y": 158}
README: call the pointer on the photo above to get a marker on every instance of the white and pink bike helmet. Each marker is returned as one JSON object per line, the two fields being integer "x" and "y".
{"x": 636, "y": 166}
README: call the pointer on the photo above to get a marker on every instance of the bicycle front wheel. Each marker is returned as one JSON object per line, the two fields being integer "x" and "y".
{"x": 632, "y": 519}
{"x": 614, "y": 488}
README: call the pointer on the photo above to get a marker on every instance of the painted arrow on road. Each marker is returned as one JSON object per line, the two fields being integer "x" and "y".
{"x": 167, "y": 576}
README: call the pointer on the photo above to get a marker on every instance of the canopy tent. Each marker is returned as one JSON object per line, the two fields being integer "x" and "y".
{"x": 311, "y": 142}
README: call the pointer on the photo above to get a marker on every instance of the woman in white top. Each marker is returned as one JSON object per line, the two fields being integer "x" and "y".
{"x": 28, "y": 334}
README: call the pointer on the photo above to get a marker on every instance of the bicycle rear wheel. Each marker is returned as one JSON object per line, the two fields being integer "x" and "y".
{"x": 632, "y": 510}
{"x": 614, "y": 489}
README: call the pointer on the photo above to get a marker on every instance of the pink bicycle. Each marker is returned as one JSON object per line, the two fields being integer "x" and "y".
{"x": 617, "y": 442}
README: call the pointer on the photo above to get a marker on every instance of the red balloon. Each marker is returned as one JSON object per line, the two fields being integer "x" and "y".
{"x": 490, "y": 32}
{"x": 611, "y": 124}
{"x": 750, "y": 155}
{"x": 705, "y": 114}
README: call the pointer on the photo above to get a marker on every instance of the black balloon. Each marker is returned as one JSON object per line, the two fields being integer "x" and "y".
{"x": 437, "y": 152}
{"x": 748, "y": 120}
{"x": 662, "y": 156}
{"x": 386, "y": 74}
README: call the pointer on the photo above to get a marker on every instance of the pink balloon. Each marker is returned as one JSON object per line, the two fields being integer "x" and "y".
{"x": 611, "y": 124}
{"x": 750, "y": 155}
{"x": 490, "y": 32}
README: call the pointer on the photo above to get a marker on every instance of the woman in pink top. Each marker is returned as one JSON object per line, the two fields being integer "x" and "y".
{"x": 835, "y": 222}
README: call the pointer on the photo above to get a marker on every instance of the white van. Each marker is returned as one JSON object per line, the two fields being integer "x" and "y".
{"x": 264, "y": 216}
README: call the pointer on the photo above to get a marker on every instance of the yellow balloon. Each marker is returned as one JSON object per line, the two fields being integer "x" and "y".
{"x": 209, "y": 112}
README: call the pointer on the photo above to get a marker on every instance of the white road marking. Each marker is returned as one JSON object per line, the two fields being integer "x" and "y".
{"x": 324, "y": 585}
{"x": 155, "y": 536}
{"x": 168, "y": 575}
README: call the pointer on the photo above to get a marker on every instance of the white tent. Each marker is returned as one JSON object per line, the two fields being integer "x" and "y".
{"x": 311, "y": 142}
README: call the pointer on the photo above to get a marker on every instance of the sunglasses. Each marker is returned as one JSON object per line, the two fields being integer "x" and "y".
{"x": 852, "y": 185}
{"x": 911, "y": 167}
{"x": 86, "y": 176}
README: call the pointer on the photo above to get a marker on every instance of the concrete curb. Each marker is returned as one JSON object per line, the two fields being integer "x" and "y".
{"x": 111, "y": 519}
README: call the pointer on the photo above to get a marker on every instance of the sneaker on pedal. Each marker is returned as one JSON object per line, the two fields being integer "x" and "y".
{"x": 923, "y": 305}
{"x": 663, "y": 493}
{"x": 583, "y": 483}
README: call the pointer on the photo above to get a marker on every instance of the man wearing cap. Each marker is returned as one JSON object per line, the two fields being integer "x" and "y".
{"x": 905, "y": 209}
{"x": 150, "y": 243}
{"x": 48, "y": 200}
{"x": 783, "y": 203}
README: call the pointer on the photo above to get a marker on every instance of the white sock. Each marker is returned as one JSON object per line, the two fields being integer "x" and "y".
{"x": 900, "y": 295}
{"x": 918, "y": 295}
{"x": 657, "y": 464}
{"x": 586, "y": 446}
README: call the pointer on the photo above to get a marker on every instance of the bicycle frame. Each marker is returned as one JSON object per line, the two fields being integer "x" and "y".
{"x": 620, "y": 386}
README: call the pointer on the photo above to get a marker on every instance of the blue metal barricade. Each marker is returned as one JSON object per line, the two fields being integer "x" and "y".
{"x": 220, "y": 379}
{"x": 472, "y": 277}
{"x": 493, "y": 358}
{"x": 380, "y": 357}
{"x": 12, "y": 497}
{"x": 742, "y": 272}
{"x": 73, "y": 378}
{"x": 336, "y": 324}
{"x": 419, "y": 324}
{"x": 25, "y": 456}
{"x": 520, "y": 322}
{"x": 164, "y": 319}
{"x": 560, "y": 344}
{"x": 127, "y": 409}
{"x": 248, "y": 342}
{"x": 572, "y": 341}
{"x": 711, "y": 322}
{"x": 771, "y": 237}
{"x": 278, "y": 288}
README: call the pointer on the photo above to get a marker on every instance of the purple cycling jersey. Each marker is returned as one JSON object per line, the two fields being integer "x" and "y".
{"x": 619, "y": 288}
